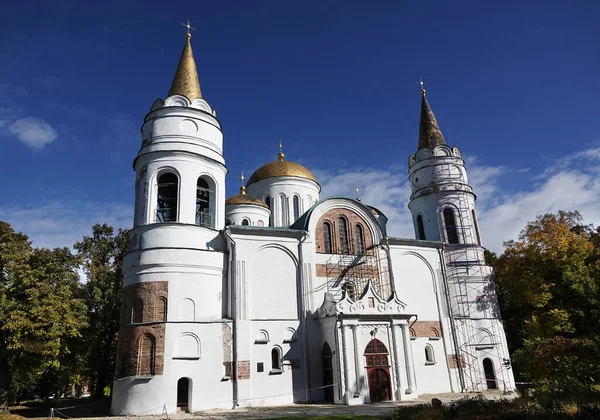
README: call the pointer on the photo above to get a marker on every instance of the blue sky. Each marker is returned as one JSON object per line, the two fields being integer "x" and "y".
{"x": 515, "y": 84}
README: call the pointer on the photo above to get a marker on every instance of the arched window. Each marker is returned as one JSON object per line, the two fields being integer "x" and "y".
{"x": 203, "y": 204}
{"x": 268, "y": 203}
{"x": 161, "y": 309}
{"x": 166, "y": 202}
{"x": 137, "y": 310}
{"x": 360, "y": 240}
{"x": 284, "y": 212}
{"x": 421, "y": 227}
{"x": 276, "y": 358}
{"x": 136, "y": 210}
{"x": 350, "y": 290}
{"x": 327, "y": 238}
{"x": 376, "y": 354}
{"x": 245, "y": 222}
{"x": 260, "y": 223}
{"x": 476, "y": 227}
{"x": 345, "y": 249}
{"x": 429, "y": 355}
{"x": 296, "y": 201}
{"x": 146, "y": 355}
{"x": 228, "y": 222}
{"x": 450, "y": 225}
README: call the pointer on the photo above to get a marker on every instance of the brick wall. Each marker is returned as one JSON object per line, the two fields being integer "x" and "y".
{"x": 426, "y": 329}
{"x": 452, "y": 361}
{"x": 332, "y": 216}
{"x": 140, "y": 351}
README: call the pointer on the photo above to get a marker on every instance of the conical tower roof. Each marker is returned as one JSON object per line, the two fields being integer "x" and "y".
{"x": 186, "y": 81}
{"x": 430, "y": 134}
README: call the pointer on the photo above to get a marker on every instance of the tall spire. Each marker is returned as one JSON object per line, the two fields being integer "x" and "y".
{"x": 186, "y": 81}
{"x": 430, "y": 134}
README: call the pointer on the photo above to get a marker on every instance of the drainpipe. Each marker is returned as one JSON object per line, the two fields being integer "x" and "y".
{"x": 302, "y": 288}
{"x": 443, "y": 332}
{"x": 234, "y": 315}
{"x": 452, "y": 325}
{"x": 390, "y": 269}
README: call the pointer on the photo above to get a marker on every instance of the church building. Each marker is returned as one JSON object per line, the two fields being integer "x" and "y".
{"x": 277, "y": 295}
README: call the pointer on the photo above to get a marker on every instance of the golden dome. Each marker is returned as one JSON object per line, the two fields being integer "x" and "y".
{"x": 243, "y": 198}
{"x": 281, "y": 167}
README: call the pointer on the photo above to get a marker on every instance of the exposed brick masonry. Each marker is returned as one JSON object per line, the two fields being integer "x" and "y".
{"x": 333, "y": 216}
{"x": 426, "y": 329}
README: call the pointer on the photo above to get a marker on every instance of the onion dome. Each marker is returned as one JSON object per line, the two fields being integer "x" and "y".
{"x": 281, "y": 168}
{"x": 245, "y": 199}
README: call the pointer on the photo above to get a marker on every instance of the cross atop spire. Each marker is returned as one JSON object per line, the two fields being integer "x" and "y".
{"x": 430, "y": 135}
{"x": 188, "y": 26}
{"x": 186, "y": 81}
{"x": 422, "y": 86}
{"x": 242, "y": 188}
{"x": 357, "y": 193}
{"x": 280, "y": 155}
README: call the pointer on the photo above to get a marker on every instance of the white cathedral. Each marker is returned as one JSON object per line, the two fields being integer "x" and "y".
{"x": 277, "y": 296}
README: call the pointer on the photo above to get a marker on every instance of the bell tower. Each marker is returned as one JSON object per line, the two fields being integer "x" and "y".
{"x": 442, "y": 204}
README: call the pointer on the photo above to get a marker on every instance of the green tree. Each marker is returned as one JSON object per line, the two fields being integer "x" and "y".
{"x": 548, "y": 288}
{"x": 41, "y": 316}
{"x": 102, "y": 257}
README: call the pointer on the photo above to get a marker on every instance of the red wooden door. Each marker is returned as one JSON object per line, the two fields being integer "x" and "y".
{"x": 379, "y": 385}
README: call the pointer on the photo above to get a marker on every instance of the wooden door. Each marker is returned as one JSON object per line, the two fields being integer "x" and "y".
{"x": 379, "y": 385}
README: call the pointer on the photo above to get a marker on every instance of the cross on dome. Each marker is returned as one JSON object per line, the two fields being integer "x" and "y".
{"x": 188, "y": 26}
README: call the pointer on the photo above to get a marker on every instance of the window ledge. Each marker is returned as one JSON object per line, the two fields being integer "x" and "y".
{"x": 429, "y": 363}
{"x": 275, "y": 372}
{"x": 261, "y": 341}
{"x": 186, "y": 358}
{"x": 225, "y": 378}
{"x": 290, "y": 340}
{"x": 413, "y": 338}
{"x": 434, "y": 338}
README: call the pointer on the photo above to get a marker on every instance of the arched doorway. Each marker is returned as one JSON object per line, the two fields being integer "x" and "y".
{"x": 327, "y": 358}
{"x": 490, "y": 375}
{"x": 183, "y": 394}
{"x": 378, "y": 371}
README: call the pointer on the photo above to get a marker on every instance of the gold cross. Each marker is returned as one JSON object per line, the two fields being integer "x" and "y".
{"x": 280, "y": 146}
{"x": 242, "y": 178}
{"x": 188, "y": 26}
{"x": 357, "y": 193}
{"x": 422, "y": 85}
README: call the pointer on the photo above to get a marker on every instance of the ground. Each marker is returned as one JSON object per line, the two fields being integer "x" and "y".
{"x": 98, "y": 410}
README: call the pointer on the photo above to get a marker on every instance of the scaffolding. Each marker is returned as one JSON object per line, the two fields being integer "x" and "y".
{"x": 352, "y": 272}
{"x": 473, "y": 305}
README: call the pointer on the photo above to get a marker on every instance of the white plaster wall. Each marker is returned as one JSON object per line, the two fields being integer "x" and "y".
{"x": 236, "y": 213}
{"x": 275, "y": 187}
{"x": 431, "y": 378}
{"x": 133, "y": 395}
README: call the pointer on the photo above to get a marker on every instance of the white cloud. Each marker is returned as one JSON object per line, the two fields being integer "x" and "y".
{"x": 570, "y": 183}
{"x": 34, "y": 132}
{"x": 59, "y": 224}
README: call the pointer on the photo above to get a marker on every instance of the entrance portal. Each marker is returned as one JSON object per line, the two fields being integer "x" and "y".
{"x": 378, "y": 371}
{"x": 327, "y": 358}
{"x": 183, "y": 394}
{"x": 490, "y": 375}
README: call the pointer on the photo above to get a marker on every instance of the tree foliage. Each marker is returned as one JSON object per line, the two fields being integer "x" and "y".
{"x": 57, "y": 332}
{"x": 548, "y": 284}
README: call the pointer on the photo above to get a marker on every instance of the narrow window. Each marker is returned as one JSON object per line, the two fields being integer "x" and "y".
{"x": 450, "y": 223}
{"x": 268, "y": 203}
{"x": 137, "y": 202}
{"x": 327, "y": 238}
{"x": 203, "y": 216}
{"x": 146, "y": 355}
{"x": 344, "y": 236}
{"x": 161, "y": 309}
{"x": 228, "y": 222}
{"x": 476, "y": 227}
{"x": 296, "y": 207}
{"x": 166, "y": 203}
{"x": 429, "y": 356}
{"x": 137, "y": 309}
{"x": 284, "y": 213}
{"x": 260, "y": 223}
{"x": 275, "y": 359}
{"x": 245, "y": 222}
{"x": 360, "y": 240}
{"x": 421, "y": 227}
